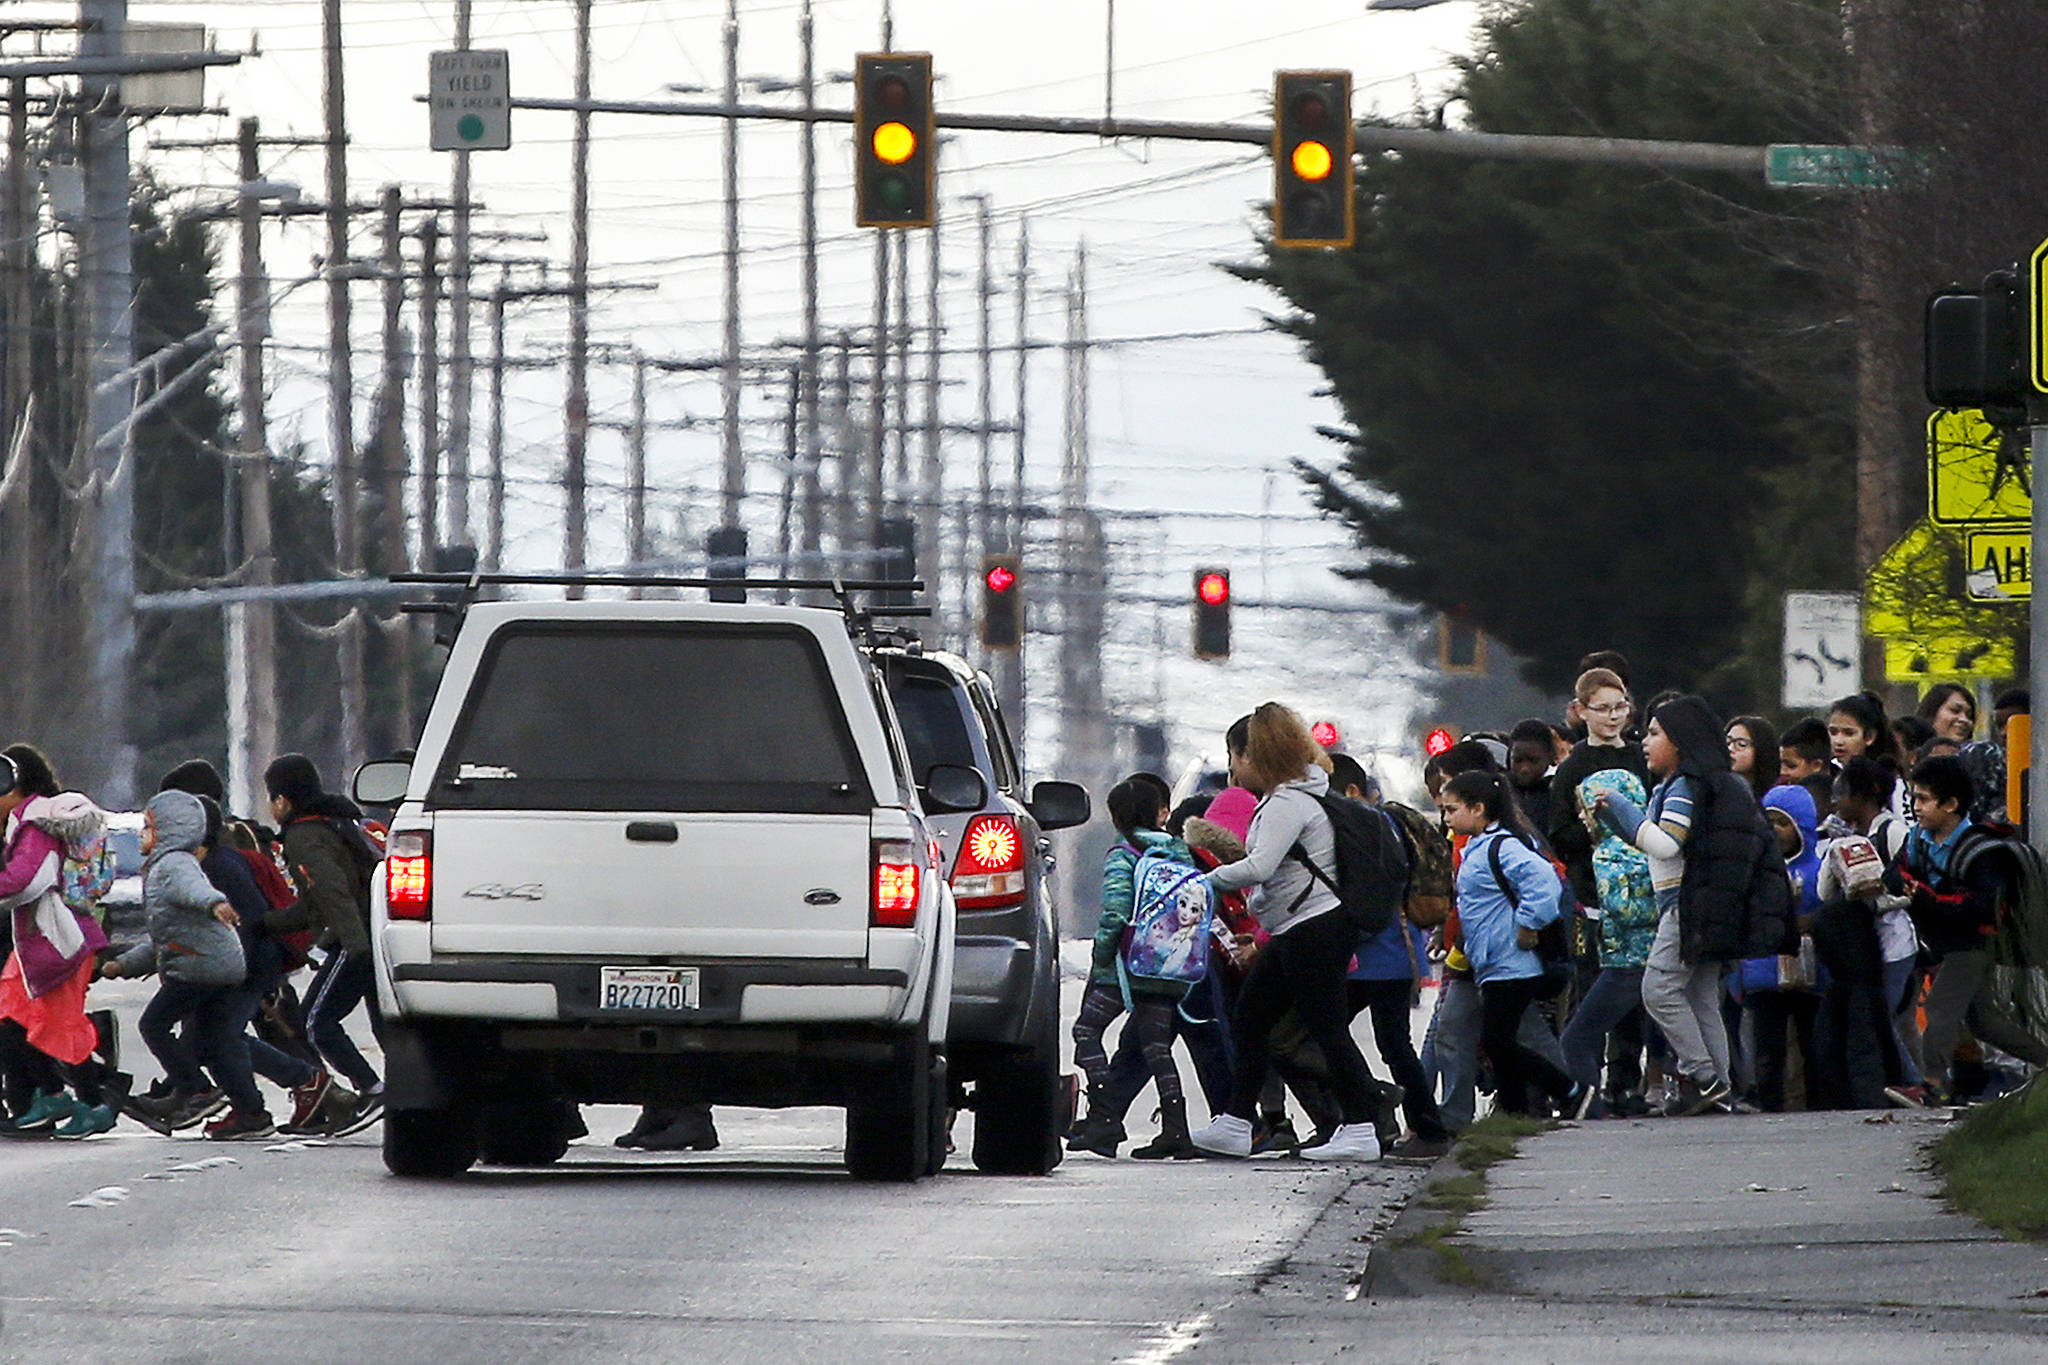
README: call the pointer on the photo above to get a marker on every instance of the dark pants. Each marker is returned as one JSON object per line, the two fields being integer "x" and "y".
{"x": 1208, "y": 1047}
{"x": 1151, "y": 1020}
{"x": 1304, "y": 970}
{"x": 344, "y": 981}
{"x": 279, "y": 1068}
{"x": 28, "y": 1069}
{"x": 212, "y": 1037}
{"x": 1783, "y": 1016}
{"x": 1855, "y": 1044}
{"x": 1615, "y": 996}
{"x": 1515, "y": 1068}
{"x": 1390, "y": 1004}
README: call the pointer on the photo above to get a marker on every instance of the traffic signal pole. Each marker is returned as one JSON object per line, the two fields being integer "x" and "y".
{"x": 1612, "y": 151}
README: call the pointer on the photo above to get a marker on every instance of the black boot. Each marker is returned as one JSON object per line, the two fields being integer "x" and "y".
{"x": 1097, "y": 1132}
{"x": 1172, "y": 1141}
{"x": 690, "y": 1131}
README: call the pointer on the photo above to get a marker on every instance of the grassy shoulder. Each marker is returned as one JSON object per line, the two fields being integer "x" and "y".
{"x": 1485, "y": 1144}
{"x": 1991, "y": 1163}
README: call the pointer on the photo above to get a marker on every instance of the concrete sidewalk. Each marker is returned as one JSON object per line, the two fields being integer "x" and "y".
{"x": 1798, "y": 1237}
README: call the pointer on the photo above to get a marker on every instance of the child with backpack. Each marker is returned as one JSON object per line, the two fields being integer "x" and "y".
{"x": 194, "y": 949}
{"x": 1137, "y": 812}
{"x": 1507, "y": 893}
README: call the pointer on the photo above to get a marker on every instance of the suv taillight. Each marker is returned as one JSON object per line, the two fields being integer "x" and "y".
{"x": 897, "y": 877}
{"x": 989, "y": 872}
{"x": 409, "y": 876}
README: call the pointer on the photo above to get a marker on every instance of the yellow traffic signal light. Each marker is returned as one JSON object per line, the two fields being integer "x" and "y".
{"x": 894, "y": 150}
{"x": 1312, "y": 146}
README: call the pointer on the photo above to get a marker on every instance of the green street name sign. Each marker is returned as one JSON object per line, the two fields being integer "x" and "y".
{"x": 1789, "y": 166}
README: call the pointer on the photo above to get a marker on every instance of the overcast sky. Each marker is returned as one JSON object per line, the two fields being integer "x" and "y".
{"x": 1202, "y": 424}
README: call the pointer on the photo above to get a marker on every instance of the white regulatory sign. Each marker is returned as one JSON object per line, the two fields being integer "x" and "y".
{"x": 470, "y": 95}
{"x": 1823, "y": 653}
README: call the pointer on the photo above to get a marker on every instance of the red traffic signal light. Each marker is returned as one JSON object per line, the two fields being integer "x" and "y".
{"x": 1438, "y": 741}
{"x": 1212, "y": 613}
{"x": 1312, "y": 147}
{"x": 1002, "y": 602}
{"x": 894, "y": 150}
{"x": 1325, "y": 733}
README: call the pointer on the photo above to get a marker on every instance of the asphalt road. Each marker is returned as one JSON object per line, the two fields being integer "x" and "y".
{"x": 762, "y": 1251}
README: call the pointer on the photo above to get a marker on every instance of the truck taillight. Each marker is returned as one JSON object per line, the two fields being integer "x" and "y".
{"x": 897, "y": 877}
{"x": 989, "y": 872}
{"x": 409, "y": 876}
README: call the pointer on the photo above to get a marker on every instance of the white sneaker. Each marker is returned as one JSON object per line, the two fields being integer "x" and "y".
{"x": 1351, "y": 1142}
{"x": 1228, "y": 1135}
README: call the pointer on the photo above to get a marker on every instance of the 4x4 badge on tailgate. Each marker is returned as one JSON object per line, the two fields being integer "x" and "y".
{"x": 492, "y": 891}
{"x": 823, "y": 895}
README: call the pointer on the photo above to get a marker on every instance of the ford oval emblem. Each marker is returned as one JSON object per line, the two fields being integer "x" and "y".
{"x": 823, "y": 895}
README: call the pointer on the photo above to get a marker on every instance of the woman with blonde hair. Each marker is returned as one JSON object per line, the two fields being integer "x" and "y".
{"x": 1291, "y": 862}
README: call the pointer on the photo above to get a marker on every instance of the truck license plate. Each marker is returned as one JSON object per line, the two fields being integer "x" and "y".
{"x": 647, "y": 988}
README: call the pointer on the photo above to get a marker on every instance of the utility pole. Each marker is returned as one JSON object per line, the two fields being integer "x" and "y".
{"x": 430, "y": 394}
{"x": 732, "y": 469}
{"x": 576, "y": 435}
{"x": 899, "y": 381}
{"x": 252, "y": 626}
{"x": 985, "y": 418}
{"x": 461, "y": 366}
{"x": 844, "y": 518}
{"x": 930, "y": 564}
{"x": 494, "y": 529}
{"x": 107, "y": 262}
{"x": 878, "y": 401}
{"x": 388, "y": 474}
{"x": 636, "y": 470}
{"x": 1011, "y": 685}
{"x": 21, "y": 539}
{"x": 812, "y": 448}
{"x": 348, "y": 548}
{"x": 1084, "y": 726}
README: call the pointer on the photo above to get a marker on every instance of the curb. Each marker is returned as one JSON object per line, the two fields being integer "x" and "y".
{"x": 1402, "y": 1262}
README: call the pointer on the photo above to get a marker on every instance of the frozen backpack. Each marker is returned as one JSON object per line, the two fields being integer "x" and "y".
{"x": 1173, "y": 911}
{"x": 86, "y": 873}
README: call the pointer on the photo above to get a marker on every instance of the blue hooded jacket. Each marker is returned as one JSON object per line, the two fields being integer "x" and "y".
{"x": 1804, "y": 867}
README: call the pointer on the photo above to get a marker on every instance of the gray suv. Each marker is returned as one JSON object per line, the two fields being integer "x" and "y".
{"x": 1003, "y": 1038}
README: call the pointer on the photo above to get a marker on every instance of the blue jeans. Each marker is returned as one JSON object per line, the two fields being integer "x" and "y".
{"x": 1614, "y": 993}
{"x": 212, "y": 1036}
{"x": 1450, "y": 1050}
{"x": 279, "y": 1068}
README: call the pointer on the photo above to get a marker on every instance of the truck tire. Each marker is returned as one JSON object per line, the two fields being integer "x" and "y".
{"x": 429, "y": 1143}
{"x": 889, "y": 1122}
{"x": 1018, "y": 1106}
{"x": 527, "y": 1134}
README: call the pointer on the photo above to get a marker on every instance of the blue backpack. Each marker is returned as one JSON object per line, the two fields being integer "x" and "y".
{"x": 1173, "y": 912}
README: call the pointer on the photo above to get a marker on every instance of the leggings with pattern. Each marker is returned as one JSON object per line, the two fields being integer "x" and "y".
{"x": 1151, "y": 1016}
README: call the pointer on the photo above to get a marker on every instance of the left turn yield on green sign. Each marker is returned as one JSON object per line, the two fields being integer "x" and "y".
{"x": 469, "y": 94}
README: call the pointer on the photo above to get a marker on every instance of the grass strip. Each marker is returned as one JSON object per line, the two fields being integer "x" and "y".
{"x": 1991, "y": 1163}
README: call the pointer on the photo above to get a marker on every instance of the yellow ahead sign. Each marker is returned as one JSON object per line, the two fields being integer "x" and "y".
{"x": 1975, "y": 475}
{"x": 1996, "y": 565}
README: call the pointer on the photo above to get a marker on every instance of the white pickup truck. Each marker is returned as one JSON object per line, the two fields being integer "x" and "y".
{"x": 661, "y": 852}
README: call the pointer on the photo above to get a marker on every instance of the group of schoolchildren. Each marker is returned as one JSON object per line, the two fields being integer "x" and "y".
{"x": 233, "y": 909}
{"x": 1644, "y": 911}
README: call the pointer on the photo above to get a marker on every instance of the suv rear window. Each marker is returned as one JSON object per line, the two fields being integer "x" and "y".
{"x": 934, "y": 729}
{"x": 662, "y": 718}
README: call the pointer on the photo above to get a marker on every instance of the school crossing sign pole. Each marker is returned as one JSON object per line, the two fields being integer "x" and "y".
{"x": 2037, "y": 605}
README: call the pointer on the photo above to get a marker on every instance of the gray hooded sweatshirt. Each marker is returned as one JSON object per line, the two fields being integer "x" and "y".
{"x": 1286, "y": 893}
{"x": 186, "y": 943}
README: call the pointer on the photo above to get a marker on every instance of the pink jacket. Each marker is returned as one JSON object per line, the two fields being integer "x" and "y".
{"x": 32, "y": 858}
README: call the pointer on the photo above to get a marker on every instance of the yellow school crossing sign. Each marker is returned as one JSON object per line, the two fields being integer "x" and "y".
{"x": 1919, "y": 599}
{"x": 1976, "y": 474}
{"x": 1996, "y": 565}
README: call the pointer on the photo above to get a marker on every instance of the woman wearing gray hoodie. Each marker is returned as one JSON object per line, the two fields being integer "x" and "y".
{"x": 1302, "y": 966}
{"x": 194, "y": 948}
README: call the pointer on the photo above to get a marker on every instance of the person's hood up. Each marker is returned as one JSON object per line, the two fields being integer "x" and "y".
{"x": 1232, "y": 809}
{"x": 1701, "y": 738}
{"x": 1617, "y": 781}
{"x": 180, "y": 822}
{"x": 1797, "y": 803}
{"x": 1213, "y": 838}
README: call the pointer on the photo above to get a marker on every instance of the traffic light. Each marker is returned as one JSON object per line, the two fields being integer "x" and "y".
{"x": 1976, "y": 349}
{"x": 1438, "y": 741}
{"x": 894, "y": 152}
{"x": 1212, "y": 613}
{"x": 1312, "y": 195}
{"x": 1002, "y": 602}
{"x": 1326, "y": 734}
